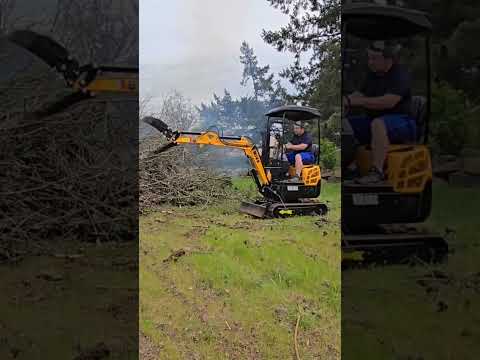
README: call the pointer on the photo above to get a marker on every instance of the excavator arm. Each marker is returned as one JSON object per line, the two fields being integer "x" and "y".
{"x": 86, "y": 81}
{"x": 212, "y": 138}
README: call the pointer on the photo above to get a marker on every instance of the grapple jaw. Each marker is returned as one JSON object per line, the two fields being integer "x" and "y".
{"x": 160, "y": 126}
{"x": 49, "y": 51}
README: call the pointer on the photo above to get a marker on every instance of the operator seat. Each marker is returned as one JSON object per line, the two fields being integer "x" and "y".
{"x": 418, "y": 111}
{"x": 316, "y": 152}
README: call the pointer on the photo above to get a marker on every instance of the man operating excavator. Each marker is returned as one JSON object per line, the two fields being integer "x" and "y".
{"x": 299, "y": 150}
{"x": 386, "y": 97}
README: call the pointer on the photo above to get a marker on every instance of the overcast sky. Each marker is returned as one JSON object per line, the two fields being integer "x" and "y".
{"x": 193, "y": 46}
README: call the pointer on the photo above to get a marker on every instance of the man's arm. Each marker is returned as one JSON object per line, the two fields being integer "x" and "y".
{"x": 356, "y": 93}
{"x": 384, "y": 102}
{"x": 398, "y": 87}
{"x": 299, "y": 147}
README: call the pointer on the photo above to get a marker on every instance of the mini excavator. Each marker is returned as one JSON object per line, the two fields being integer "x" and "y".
{"x": 280, "y": 197}
{"x": 379, "y": 220}
{"x": 86, "y": 81}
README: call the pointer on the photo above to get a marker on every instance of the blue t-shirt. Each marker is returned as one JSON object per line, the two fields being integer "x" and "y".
{"x": 305, "y": 138}
{"x": 396, "y": 81}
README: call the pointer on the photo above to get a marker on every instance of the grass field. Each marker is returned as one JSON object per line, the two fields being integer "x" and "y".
{"x": 241, "y": 285}
{"x": 67, "y": 299}
{"x": 427, "y": 311}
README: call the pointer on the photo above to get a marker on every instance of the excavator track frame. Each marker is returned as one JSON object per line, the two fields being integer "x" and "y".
{"x": 387, "y": 244}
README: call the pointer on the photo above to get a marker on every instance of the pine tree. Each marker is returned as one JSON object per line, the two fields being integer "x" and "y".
{"x": 262, "y": 81}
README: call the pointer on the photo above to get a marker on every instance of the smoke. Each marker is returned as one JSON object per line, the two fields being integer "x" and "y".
{"x": 193, "y": 46}
{"x": 208, "y": 27}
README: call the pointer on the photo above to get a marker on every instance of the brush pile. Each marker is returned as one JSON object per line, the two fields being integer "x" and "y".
{"x": 71, "y": 176}
{"x": 173, "y": 177}
{"x": 74, "y": 175}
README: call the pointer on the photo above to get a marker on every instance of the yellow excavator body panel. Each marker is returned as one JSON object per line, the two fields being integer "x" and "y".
{"x": 311, "y": 174}
{"x": 408, "y": 167}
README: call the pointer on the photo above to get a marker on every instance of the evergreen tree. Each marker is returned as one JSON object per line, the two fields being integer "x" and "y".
{"x": 262, "y": 81}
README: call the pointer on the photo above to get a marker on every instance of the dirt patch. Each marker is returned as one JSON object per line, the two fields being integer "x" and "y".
{"x": 175, "y": 256}
{"x": 197, "y": 232}
{"x": 147, "y": 349}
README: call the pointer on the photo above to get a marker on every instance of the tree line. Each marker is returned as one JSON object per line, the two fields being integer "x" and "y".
{"x": 312, "y": 36}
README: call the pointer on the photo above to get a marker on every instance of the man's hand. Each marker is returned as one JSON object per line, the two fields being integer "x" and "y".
{"x": 288, "y": 146}
{"x": 356, "y": 100}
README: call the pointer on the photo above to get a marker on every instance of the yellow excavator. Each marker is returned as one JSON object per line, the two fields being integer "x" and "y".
{"x": 377, "y": 218}
{"x": 280, "y": 197}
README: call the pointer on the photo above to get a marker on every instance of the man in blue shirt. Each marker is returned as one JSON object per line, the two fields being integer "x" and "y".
{"x": 299, "y": 150}
{"x": 385, "y": 97}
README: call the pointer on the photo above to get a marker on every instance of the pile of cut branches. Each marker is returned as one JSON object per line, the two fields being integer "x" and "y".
{"x": 173, "y": 177}
{"x": 71, "y": 176}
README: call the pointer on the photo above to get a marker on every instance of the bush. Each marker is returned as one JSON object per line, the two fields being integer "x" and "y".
{"x": 449, "y": 114}
{"x": 328, "y": 154}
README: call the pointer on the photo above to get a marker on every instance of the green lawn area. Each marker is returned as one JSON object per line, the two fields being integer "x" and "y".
{"x": 426, "y": 312}
{"x": 242, "y": 283}
{"x": 54, "y": 306}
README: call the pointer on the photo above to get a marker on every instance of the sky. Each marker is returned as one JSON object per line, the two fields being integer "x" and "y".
{"x": 193, "y": 46}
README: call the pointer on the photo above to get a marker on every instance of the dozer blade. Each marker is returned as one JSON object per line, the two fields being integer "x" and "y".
{"x": 257, "y": 210}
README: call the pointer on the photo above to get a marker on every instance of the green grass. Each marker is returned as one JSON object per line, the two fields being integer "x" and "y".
{"x": 238, "y": 291}
{"x": 409, "y": 324}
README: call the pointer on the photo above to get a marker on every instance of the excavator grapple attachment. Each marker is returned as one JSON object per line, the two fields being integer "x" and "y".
{"x": 85, "y": 80}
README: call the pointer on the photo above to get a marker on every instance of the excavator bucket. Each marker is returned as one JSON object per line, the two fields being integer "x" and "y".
{"x": 257, "y": 210}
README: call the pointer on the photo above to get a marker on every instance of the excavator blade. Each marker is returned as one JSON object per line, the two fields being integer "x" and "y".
{"x": 256, "y": 210}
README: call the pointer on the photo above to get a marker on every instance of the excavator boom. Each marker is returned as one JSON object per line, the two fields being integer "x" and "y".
{"x": 212, "y": 138}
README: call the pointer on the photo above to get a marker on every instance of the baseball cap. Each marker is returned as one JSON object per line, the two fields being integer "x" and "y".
{"x": 387, "y": 48}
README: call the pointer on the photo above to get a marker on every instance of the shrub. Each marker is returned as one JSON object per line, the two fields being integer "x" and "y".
{"x": 328, "y": 154}
{"x": 448, "y": 120}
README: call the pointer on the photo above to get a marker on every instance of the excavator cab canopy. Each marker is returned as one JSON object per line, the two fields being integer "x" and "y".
{"x": 366, "y": 22}
{"x": 294, "y": 113}
{"x": 279, "y": 120}
{"x": 383, "y": 22}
